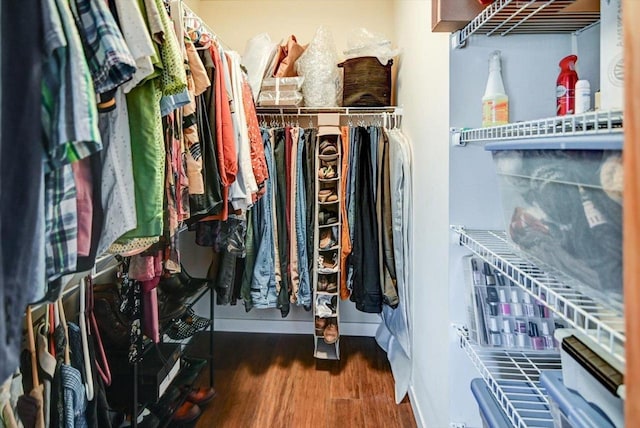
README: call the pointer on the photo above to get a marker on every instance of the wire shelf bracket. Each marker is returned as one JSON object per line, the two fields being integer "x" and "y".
{"x": 603, "y": 326}
{"x": 514, "y": 380}
{"x": 505, "y": 17}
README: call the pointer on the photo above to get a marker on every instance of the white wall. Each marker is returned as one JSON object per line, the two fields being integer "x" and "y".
{"x": 423, "y": 91}
{"x": 235, "y": 21}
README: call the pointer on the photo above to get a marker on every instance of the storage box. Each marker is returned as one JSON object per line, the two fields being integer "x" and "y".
{"x": 490, "y": 412}
{"x": 611, "y": 56}
{"x": 568, "y": 408}
{"x": 504, "y": 315}
{"x": 562, "y": 205}
{"x": 367, "y": 82}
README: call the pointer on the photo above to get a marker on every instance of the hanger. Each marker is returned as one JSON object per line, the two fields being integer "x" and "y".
{"x": 102, "y": 364}
{"x": 63, "y": 322}
{"x": 32, "y": 348}
{"x": 82, "y": 321}
{"x": 51, "y": 327}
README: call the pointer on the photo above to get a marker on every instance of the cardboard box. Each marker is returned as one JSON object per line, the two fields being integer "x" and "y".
{"x": 611, "y": 55}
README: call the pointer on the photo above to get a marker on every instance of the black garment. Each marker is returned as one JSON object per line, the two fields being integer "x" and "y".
{"x": 367, "y": 292}
{"x": 21, "y": 179}
{"x": 281, "y": 190}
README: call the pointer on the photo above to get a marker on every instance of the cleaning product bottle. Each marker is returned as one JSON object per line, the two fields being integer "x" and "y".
{"x": 566, "y": 86}
{"x": 495, "y": 102}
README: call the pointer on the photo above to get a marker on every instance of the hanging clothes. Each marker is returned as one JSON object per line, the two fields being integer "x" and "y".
{"x": 394, "y": 332}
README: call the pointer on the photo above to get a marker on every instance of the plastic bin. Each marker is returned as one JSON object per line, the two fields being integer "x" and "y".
{"x": 568, "y": 408}
{"x": 490, "y": 411}
{"x": 562, "y": 205}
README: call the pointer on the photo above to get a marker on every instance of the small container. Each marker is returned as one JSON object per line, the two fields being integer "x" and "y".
{"x": 583, "y": 96}
{"x": 367, "y": 82}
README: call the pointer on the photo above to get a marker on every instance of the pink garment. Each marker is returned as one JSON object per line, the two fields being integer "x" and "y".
{"x": 150, "y": 311}
{"x": 142, "y": 268}
{"x": 84, "y": 202}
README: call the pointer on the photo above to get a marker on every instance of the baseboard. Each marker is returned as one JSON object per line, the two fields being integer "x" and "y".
{"x": 417, "y": 413}
{"x": 290, "y": 327}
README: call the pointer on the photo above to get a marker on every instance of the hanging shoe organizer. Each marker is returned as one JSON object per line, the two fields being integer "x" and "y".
{"x": 327, "y": 232}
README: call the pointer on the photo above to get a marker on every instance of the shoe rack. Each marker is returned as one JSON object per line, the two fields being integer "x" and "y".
{"x": 327, "y": 232}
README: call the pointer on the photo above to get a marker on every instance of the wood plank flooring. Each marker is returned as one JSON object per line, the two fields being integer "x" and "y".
{"x": 272, "y": 380}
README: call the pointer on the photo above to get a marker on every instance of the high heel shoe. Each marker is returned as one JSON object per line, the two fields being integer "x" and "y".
{"x": 327, "y": 195}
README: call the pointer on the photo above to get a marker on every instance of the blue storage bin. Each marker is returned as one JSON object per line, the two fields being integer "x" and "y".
{"x": 562, "y": 202}
{"x": 568, "y": 408}
{"x": 490, "y": 411}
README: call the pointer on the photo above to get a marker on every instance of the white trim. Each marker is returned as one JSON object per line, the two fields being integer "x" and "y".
{"x": 417, "y": 413}
{"x": 290, "y": 327}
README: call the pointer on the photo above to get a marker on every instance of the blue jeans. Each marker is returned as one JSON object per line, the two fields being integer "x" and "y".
{"x": 263, "y": 285}
{"x": 304, "y": 291}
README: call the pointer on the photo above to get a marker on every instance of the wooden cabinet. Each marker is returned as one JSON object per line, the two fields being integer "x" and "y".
{"x": 448, "y": 16}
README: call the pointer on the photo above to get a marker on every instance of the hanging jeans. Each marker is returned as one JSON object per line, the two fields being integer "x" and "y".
{"x": 367, "y": 293}
{"x": 304, "y": 288}
{"x": 310, "y": 171}
{"x": 282, "y": 239}
{"x": 263, "y": 285}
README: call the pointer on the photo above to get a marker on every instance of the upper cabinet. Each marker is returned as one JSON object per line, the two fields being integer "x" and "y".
{"x": 448, "y": 16}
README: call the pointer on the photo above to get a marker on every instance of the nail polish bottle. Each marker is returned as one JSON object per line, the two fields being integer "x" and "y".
{"x": 516, "y": 306}
{"x": 509, "y": 340}
{"x": 537, "y": 342}
{"x": 492, "y": 300}
{"x": 521, "y": 327}
{"x": 494, "y": 332}
{"x": 505, "y": 308}
{"x": 488, "y": 276}
{"x": 500, "y": 279}
{"x": 521, "y": 340}
{"x": 549, "y": 342}
{"x": 477, "y": 276}
{"x": 527, "y": 306}
{"x": 544, "y": 310}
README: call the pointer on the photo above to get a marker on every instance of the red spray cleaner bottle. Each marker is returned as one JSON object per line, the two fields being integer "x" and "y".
{"x": 566, "y": 86}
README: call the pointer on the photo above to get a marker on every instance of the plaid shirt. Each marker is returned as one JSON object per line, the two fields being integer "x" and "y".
{"x": 61, "y": 227}
{"x": 108, "y": 56}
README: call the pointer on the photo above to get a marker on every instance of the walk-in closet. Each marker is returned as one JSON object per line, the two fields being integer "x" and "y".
{"x": 358, "y": 213}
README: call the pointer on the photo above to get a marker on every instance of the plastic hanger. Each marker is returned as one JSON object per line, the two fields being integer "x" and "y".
{"x": 32, "y": 348}
{"x": 102, "y": 364}
{"x": 63, "y": 322}
{"x": 82, "y": 320}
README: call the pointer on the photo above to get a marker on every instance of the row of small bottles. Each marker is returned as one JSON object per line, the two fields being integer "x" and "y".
{"x": 511, "y": 317}
{"x": 573, "y": 96}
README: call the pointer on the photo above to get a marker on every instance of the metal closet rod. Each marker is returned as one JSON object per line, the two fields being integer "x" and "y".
{"x": 192, "y": 15}
{"x": 344, "y": 111}
{"x": 76, "y": 284}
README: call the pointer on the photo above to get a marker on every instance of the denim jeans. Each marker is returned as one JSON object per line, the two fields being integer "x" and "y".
{"x": 280, "y": 209}
{"x": 304, "y": 290}
{"x": 263, "y": 284}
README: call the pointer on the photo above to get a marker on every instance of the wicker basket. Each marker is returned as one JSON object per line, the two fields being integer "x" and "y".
{"x": 367, "y": 83}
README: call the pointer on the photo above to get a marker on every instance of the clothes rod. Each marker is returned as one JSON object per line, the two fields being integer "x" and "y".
{"x": 343, "y": 111}
{"x": 190, "y": 14}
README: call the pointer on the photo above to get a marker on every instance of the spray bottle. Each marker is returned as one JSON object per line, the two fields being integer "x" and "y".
{"x": 566, "y": 86}
{"x": 495, "y": 102}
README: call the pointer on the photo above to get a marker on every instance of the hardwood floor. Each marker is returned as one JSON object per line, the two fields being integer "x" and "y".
{"x": 272, "y": 380}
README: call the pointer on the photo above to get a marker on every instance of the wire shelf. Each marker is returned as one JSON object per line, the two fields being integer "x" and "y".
{"x": 603, "y": 326}
{"x": 505, "y": 17}
{"x": 599, "y": 123}
{"x": 514, "y": 379}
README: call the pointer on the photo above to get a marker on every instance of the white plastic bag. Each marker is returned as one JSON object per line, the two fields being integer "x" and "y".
{"x": 319, "y": 66}
{"x": 257, "y": 56}
{"x": 362, "y": 42}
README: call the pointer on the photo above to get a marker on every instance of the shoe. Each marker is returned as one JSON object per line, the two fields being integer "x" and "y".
{"x": 188, "y": 412}
{"x": 201, "y": 395}
{"x": 326, "y": 239}
{"x": 326, "y": 172}
{"x": 191, "y": 368}
{"x": 332, "y": 287}
{"x": 327, "y": 148}
{"x": 331, "y": 333}
{"x": 169, "y": 309}
{"x": 327, "y": 195}
{"x": 326, "y": 218}
{"x": 326, "y": 265}
{"x": 320, "y": 325}
{"x": 322, "y": 283}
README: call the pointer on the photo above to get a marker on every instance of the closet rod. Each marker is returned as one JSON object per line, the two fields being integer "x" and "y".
{"x": 190, "y": 14}
{"x": 343, "y": 111}
{"x": 76, "y": 284}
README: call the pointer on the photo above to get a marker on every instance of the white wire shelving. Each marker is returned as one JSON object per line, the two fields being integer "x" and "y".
{"x": 514, "y": 379}
{"x": 581, "y": 127}
{"x": 601, "y": 325}
{"x": 505, "y": 17}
